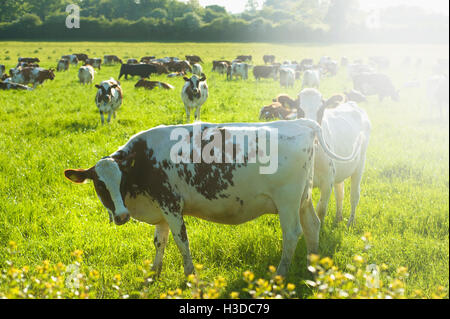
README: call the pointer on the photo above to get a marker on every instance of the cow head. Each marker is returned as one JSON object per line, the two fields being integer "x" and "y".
{"x": 194, "y": 84}
{"x": 313, "y": 105}
{"x": 108, "y": 177}
{"x": 104, "y": 91}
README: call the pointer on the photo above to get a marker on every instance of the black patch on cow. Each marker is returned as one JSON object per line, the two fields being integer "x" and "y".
{"x": 103, "y": 193}
{"x": 183, "y": 233}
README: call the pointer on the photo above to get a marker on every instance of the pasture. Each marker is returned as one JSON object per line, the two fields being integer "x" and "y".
{"x": 404, "y": 191}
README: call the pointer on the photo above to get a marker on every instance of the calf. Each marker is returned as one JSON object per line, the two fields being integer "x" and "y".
{"x": 95, "y": 62}
{"x": 194, "y": 94}
{"x": 197, "y": 69}
{"x": 269, "y": 59}
{"x": 109, "y": 98}
{"x": 266, "y": 71}
{"x": 148, "y": 180}
{"x": 111, "y": 59}
{"x": 86, "y": 74}
{"x": 287, "y": 77}
{"x": 35, "y": 76}
{"x": 311, "y": 78}
{"x": 63, "y": 65}
{"x": 375, "y": 84}
{"x": 194, "y": 59}
{"x": 150, "y": 85}
{"x": 346, "y": 127}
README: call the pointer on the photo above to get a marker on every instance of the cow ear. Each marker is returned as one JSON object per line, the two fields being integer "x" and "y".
{"x": 334, "y": 101}
{"x": 78, "y": 176}
{"x": 97, "y": 86}
{"x": 114, "y": 86}
{"x": 203, "y": 77}
{"x": 186, "y": 78}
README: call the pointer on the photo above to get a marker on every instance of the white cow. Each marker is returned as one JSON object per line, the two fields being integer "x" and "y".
{"x": 109, "y": 98}
{"x": 438, "y": 94}
{"x": 197, "y": 69}
{"x": 287, "y": 77}
{"x": 86, "y": 74}
{"x": 239, "y": 70}
{"x": 194, "y": 94}
{"x": 342, "y": 126}
{"x": 147, "y": 179}
{"x": 311, "y": 78}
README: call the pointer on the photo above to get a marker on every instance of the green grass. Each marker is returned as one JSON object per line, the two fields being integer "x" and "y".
{"x": 405, "y": 187}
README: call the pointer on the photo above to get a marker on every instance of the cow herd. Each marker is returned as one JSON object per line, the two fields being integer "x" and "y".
{"x": 321, "y": 142}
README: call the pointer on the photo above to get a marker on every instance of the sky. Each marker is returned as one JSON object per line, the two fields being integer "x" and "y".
{"x": 442, "y": 6}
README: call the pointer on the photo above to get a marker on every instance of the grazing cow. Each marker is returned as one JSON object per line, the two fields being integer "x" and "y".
{"x": 146, "y": 180}
{"x": 179, "y": 66}
{"x": 266, "y": 71}
{"x": 147, "y": 59}
{"x": 355, "y": 96}
{"x": 238, "y": 70}
{"x": 375, "y": 84}
{"x": 194, "y": 59}
{"x": 194, "y": 94}
{"x": 109, "y": 98}
{"x": 276, "y": 111}
{"x": 287, "y": 77}
{"x": 35, "y": 76}
{"x": 142, "y": 70}
{"x": 244, "y": 58}
{"x": 343, "y": 127}
{"x": 132, "y": 61}
{"x": 311, "y": 78}
{"x": 95, "y": 62}
{"x": 111, "y": 59}
{"x": 63, "y": 65}
{"x": 217, "y": 65}
{"x": 86, "y": 74}
{"x": 81, "y": 56}
{"x": 197, "y": 69}
{"x": 7, "y": 85}
{"x": 2, "y": 69}
{"x": 71, "y": 58}
{"x": 438, "y": 93}
{"x": 269, "y": 59}
{"x": 150, "y": 85}
{"x": 29, "y": 60}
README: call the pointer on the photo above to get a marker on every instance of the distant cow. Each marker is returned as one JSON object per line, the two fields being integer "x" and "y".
{"x": 35, "y": 76}
{"x": 179, "y": 66}
{"x": 375, "y": 84}
{"x": 222, "y": 67}
{"x": 111, "y": 59}
{"x": 150, "y": 85}
{"x": 218, "y": 65}
{"x": 194, "y": 94}
{"x": 311, "y": 78}
{"x": 86, "y": 74}
{"x": 244, "y": 58}
{"x": 29, "y": 60}
{"x": 269, "y": 59}
{"x": 72, "y": 58}
{"x": 81, "y": 56}
{"x": 13, "y": 86}
{"x": 109, "y": 98}
{"x": 147, "y": 59}
{"x": 95, "y": 62}
{"x": 265, "y": 71}
{"x": 63, "y": 65}
{"x": 132, "y": 61}
{"x": 287, "y": 77}
{"x": 238, "y": 70}
{"x": 194, "y": 59}
{"x": 142, "y": 70}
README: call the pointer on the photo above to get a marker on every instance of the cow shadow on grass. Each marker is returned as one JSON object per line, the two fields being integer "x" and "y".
{"x": 77, "y": 126}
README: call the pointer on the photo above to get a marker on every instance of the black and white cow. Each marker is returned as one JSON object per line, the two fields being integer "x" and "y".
{"x": 148, "y": 180}
{"x": 109, "y": 98}
{"x": 194, "y": 94}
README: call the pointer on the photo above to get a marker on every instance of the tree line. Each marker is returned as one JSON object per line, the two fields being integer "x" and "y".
{"x": 173, "y": 20}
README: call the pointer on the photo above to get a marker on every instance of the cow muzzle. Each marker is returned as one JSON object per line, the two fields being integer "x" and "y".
{"x": 121, "y": 219}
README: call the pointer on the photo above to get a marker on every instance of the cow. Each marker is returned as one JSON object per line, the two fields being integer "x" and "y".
{"x": 266, "y": 71}
{"x": 218, "y": 65}
{"x": 142, "y": 70}
{"x": 111, "y": 59}
{"x": 132, "y": 61}
{"x": 35, "y": 76}
{"x": 63, "y": 65}
{"x": 194, "y": 94}
{"x": 147, "y": 59}
{"x": 238, "y": 70}
{"x": 222, "y": 67}
{"x": 355, "y": 96}
{"x": 2, "y": 69}
{"x": 197, "y": 69}
{"x": 72, "y": 58}
{"x": 145, "y": 179}
{"x": 287, "y": 77}
{"x": 86, "y": 74}
{"x": 438, "y": 93}
{"x": 81, "y": 56}
{"x": 375, "y": 84}
{"x": 244, "y": 58}
{"x": 26, "y": 65}
{"x": 150, "y": 85}
{"x": 94, "y": 62}
{"x": 7, "y": 85}
{"x": 194, "y": 59}
{"x": 109, "y": 98}
{"x": 268, "y": 59}
{"x": 329, "y": 68}
{"x": 179, "y": 66}
{"x": 276, "y": 111}
{"x": 344, "y": 126}
{"x": 311, "y": 78}
{"x": 287, "y": 101}
{"x": 305, "y": 64}
{"x": 29, "y": 60}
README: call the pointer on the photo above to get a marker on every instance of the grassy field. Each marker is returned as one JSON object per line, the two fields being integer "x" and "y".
{"x": 405, "y": 188}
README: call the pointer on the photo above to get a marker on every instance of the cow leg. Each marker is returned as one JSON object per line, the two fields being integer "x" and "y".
{"x": 325, "y": 193}
{"x": 178, "y": 229}
{"x": 188, "y": 114}
{"x": 310, "y": 222}
{"x": 356, "y": 190}
{"x": 102, "y": 117}
{"x": 114, "y": 114}
{"x": 197, "y": 113}
{"x": 160, "y": 241}
{"x": 339, "y": 196}
{"x": 109, "y": 117}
